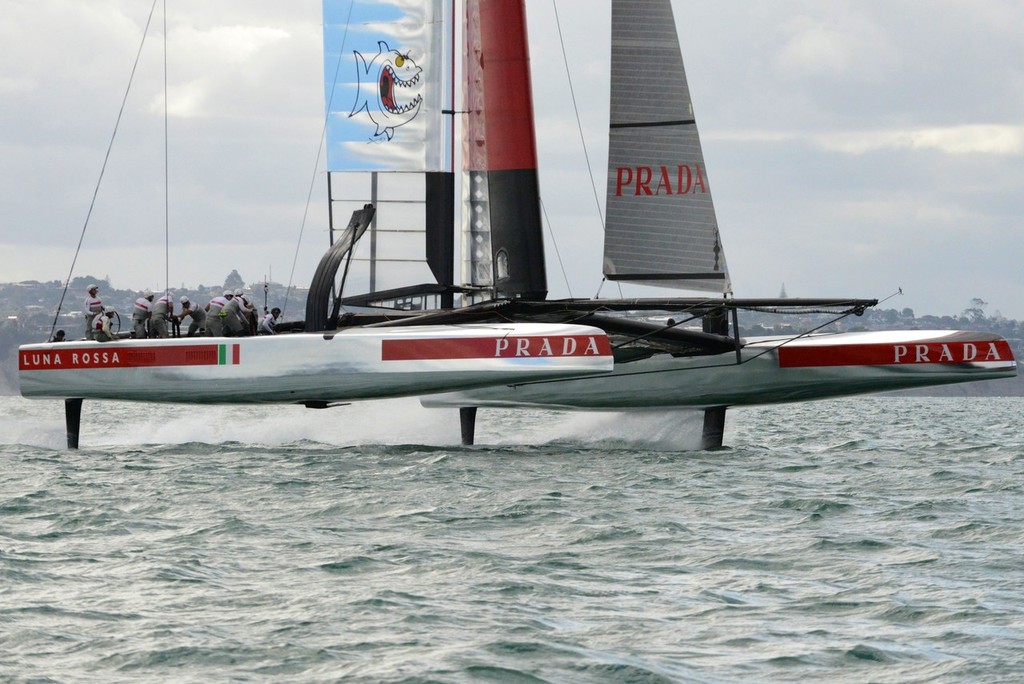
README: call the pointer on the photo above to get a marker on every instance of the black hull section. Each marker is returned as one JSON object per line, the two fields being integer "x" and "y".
{"x": 517, "y": 241}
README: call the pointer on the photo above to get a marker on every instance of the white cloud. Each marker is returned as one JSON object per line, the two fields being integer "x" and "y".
{"x": 13, "y": 86}
{"x": 985, "y": 139}
{"x": 816, "y": 50}
{"x": 195, "y": 87}
{"x": 993, "y": 139}
{"x": 833, "y": 41}
{"x": 222, "y": 44}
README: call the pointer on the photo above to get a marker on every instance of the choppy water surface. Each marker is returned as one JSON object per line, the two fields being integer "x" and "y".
{"x": 858, "y": 540}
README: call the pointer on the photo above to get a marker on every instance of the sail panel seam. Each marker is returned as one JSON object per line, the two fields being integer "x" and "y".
{"x": 666, "y": 276}
{"x": 650, "y": 124}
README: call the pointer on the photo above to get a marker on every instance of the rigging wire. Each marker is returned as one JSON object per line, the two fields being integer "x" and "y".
{"x": 558, "y": 255}
{"x": 576, "y": 110}
{"x": 600, "y": 286}
{"x": 167, "y": 206}
{"x": 897, "y": 293}
{"x": 302, "y": 226}
{"x": 103, "y": 168}
{"x": 316, "y": 164}
{"x": 579, "y": 127}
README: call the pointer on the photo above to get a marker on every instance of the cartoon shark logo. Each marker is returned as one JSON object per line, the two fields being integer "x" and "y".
{"x": 381, "y": 82}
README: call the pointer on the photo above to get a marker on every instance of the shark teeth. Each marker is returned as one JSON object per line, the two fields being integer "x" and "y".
{"x": 399, "y": 83}
{"x": 402, "y": 83}
{"x": 406, "y": 108}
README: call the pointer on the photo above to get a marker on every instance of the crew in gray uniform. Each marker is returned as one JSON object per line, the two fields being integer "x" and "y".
{"x": 140, "y": 314}
{"x": 215, "y": 314}
{"x": 246, "y": 312}
{"x": 198, "y": 323}
{"x": 232, "y": 317}
{"x": 162, "y": 310}
{"x": 93, "y": 306}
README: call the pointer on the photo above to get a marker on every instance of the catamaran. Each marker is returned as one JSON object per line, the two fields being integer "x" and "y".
{"x": 487, "y": 336}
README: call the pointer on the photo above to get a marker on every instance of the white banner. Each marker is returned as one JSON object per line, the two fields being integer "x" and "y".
{"x": 383, "y": 84}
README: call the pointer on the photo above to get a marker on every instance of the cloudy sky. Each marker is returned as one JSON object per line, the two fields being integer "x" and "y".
{"x": 853, "y": 147}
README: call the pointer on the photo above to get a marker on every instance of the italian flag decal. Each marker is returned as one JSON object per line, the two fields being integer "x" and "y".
{"x": 228, "y": 355}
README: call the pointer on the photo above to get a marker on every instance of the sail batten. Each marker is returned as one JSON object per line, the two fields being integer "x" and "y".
{"x": 661, "y": 227}
{"x": 645, "y": 124}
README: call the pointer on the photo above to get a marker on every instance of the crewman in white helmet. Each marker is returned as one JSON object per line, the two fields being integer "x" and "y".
{"x": 163, "y": 309}
{"x": 101, "y": 330}
{"x": 233, "y": 321}
{"x": 197, "y": 324}
{"x": 93, "y": 306}
{"x": 246, "y": 313}
{"x": 141, "y": 312}
{"x": 269, "y": 324}
{"x": 216, "y": 313}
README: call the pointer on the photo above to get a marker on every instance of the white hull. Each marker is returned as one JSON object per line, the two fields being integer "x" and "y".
{"x": 360, "y": 363}
{"x": 772, "y": 370}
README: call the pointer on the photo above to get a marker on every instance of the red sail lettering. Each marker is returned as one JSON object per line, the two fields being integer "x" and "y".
{"x": 643, "y": 180}
{"x": 623, "y": 176}
{"x": 700, "y": 181}
{"x": 688, "y": 179}
{"x": 681, "y": 187}
{"x": 664, "y": 182}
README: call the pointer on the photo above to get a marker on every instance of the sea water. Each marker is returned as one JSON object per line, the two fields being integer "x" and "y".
{"x": 871, "y": 539}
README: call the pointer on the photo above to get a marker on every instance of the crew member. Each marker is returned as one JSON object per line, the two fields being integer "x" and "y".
{"x": 162, "y": 310}
{"x": 58, "y": 336}
{"x": 93, "y": 306}
{"x": 269, "y": 324}
{"x": 246, "y": 313}
{"x": 198, "y": 315}
{"x": 215, "y": 314}
{"x": 101, "y": 325}
{"x": 234, "y": 322}
{"x": 141, "y": 313}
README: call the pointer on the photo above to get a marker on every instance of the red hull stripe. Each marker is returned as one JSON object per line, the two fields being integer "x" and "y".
{"x": 898, "y": 354}
{"x": 495, "y": 347}
{"x": 112, "y": 355}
